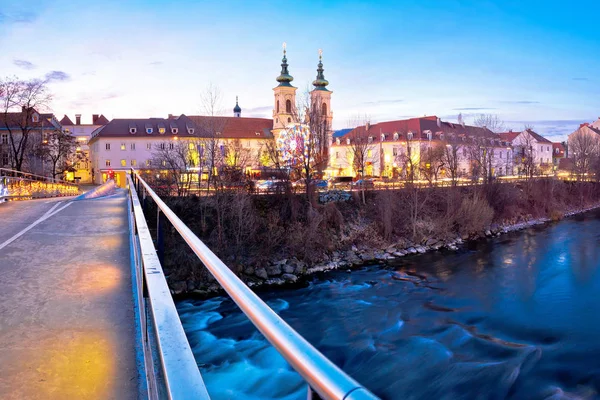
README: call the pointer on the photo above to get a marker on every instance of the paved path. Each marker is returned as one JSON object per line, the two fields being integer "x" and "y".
{"x": 66, "y": 305}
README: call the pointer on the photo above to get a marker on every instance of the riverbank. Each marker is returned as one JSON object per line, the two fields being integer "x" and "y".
{"x": 293, "y": 272}
{"x": 360, "y": 239}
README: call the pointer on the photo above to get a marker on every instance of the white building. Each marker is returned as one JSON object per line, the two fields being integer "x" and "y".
{"x": 530, "y": 145}
{"x": 82, "y": 134}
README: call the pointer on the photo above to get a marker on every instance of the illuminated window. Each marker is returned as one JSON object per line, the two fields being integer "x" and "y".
{"x": 107, "y": 146}
{"x": 122, "y": 146}
{"x": 161, "y": 130}
{"x": 164, "y": 163}
{"x": 123, "y": 163}
{"x": 107, "y": 163}
{"x": 191, "y": 146}
{"x": 133, "y": 163}
{"x": 369, "y": 153}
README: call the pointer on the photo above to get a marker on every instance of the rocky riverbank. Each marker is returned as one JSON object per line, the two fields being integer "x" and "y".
{"x": 293, "y": 271}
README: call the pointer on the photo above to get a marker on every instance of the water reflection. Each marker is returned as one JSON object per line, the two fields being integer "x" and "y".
{"x": 514, "y": 317}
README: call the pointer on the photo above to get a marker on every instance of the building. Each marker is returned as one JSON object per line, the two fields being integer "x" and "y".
{"x": 82, "y": 134}
{"x": 558, "y": 155}
{"x": 37, "y": 126}
{"x": 235, "y": 141}
{"x": 583, "y": 146}
{"x": 392, "y": 148}
{"x": 532, "y": 151}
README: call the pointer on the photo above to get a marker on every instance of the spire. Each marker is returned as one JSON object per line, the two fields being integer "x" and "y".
{"x": 285, "y": 78}
{"x": 237, "y": 110}
{"x": 320, "y": 83}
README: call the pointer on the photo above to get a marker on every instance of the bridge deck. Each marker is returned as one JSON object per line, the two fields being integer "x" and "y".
{"x": 66, "y": 307}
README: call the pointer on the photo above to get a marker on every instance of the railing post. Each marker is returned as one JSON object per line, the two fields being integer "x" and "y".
{"x": 160, "y": 238}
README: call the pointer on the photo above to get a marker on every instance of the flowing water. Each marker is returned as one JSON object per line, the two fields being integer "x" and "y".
{"x": 514, "y": 317}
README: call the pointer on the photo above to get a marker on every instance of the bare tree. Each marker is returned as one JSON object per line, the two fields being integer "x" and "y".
{"x": 451, "y": 158}
{"x": 59, "y": 148}
{"x": 432, "y": 157}
{"x": 176, "y": 157}
{"x": 525, "y": 156}
{"x": 361, "y": 146}
{"x": 211, "y": 129}
{"x": 584, "y": 149}
{"x": 408, "y": 158}
{"x": 26, "y": 98}
{"x": 489, "y": 121}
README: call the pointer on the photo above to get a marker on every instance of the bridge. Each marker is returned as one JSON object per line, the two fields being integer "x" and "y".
{"x": 86, "y": 313}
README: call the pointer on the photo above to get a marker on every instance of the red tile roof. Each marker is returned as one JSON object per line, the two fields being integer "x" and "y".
{"x": 419, "y": 127}
{"x": 235, "y": 127}
{"x": 560, "y": 148}
{"x": 66, "y": 121}
{"x": 510, "y": 136}
{"x": 102, "y": 120}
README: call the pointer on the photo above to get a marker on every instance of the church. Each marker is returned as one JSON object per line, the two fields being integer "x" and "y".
{"x": 125, "y": 143}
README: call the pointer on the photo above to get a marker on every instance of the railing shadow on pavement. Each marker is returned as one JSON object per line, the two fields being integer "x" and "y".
{"x": 179, "y": 377}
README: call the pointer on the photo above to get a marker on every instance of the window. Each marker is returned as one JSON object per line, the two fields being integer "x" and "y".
{"x": 369, "y": 153}
{"x": 337, "y": 141}
{"x": 441, "y": 136}
{"x": 370, "y": 139}
{"x": 191, "y": 131}
{"x": 123, "y": 163}
{"x": 133, "y": 163}
{"x": 148, "y": 146}
{"x": 277, "y": 107}
{"x": 107, "y": 163}
{"x": 174, "y": 131}
{"x": 4, "y": 138}
{"x": 428, "y": 135}
{"x": 122, "y": 146}
{"x": 288, "y": 107}
{"x": 132, "y": 130}
{"x": 191, "y": 146}
{"x": 409, "y": 135}
{"x": 171, "y": 146}
{"x": 107, "y": 146}
{"x": 35, "y": 118}
{"x": 67, "y": 130}
{"x": 162, "y": 146}
{"x": 164, "y": 163}
{"x": 5, "y": 159}
{"x": 348, "y": 141}
{"x": 548, "y": 148}
{"x": 148, "y": 163}
{"x": 396, "y": 136}
{"x": 132, "y": 146}
{"x": 464, "y": 151}
{"x": 148, "y": 130}
{"x": 323, "y": 109}
{"x": 395, "y": 151}
{"x": 161, "y": 130}
{"x": 382, "y": 137}
{"x": 289, "y": 120}
{"x": 337, "y": 154}
{"x": 500, "y": 154}
{"x": 257, "y": 134}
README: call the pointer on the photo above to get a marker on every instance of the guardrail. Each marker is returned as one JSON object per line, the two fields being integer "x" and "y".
{"x": 21, "y": 185}
{"x": 322, "y": 376}
{"x": 169, "y": 364}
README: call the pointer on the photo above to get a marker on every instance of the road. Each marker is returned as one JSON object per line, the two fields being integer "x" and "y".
{"x": 66, "y": 307}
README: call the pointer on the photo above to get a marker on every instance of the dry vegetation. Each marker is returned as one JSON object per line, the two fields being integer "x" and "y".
{"x": 248, "y": 230}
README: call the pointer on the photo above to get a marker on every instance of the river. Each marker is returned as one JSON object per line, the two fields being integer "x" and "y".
{"x": 512, "y": 317}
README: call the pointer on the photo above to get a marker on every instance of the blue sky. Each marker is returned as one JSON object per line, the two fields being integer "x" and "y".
{"x": 527, "y": 61}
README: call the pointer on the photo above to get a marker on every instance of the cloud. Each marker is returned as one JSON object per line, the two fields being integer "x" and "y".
{"x": 474, "y": 109}
{"x": 379, "y": 102}
{"x": 553, "y": 129}
{"x": 59, "y": 76}
{"x": 156, "y": 63}
{"x": 24, "y": 64}
{"x": 580, "y": 79}
{"x": 109, "y": 96}
{"x": 520, "y": 102}
{"x": 258, "y": 109}
{"x": 24, "y": 17}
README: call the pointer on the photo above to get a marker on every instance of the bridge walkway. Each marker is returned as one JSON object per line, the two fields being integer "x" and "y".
{"x": 66, "y": 306}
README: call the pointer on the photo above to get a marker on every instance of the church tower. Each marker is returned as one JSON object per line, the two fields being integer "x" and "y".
{"x": 237, "y": 110}
{"x": 320, "y": 98}
{"x": 284, "y": 111}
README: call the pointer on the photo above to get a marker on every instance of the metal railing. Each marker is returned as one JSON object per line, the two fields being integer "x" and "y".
{"x": 22, "y": 185}
{"x": 169, "y": 364}
{"x": 322, "y": 376}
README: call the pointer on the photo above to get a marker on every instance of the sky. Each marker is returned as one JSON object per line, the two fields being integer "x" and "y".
{"x": 529, "y": 62}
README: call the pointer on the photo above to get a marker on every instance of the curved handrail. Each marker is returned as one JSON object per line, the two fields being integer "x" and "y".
{"x": 328, "y": 380}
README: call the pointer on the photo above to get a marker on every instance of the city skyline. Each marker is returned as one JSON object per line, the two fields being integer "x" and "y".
{"x": 526, "y": 63}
